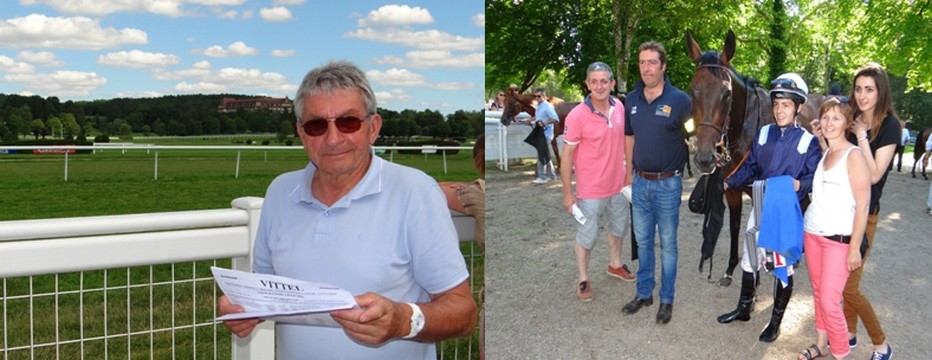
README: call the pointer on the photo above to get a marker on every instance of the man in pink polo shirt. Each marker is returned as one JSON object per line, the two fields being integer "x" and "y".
{"x": 594, "y": 147}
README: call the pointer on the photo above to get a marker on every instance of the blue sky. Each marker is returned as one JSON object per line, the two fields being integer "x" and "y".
{"x": 417, "y": 54}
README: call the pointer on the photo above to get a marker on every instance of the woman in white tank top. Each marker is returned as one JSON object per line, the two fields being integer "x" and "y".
{"x": 834, "y": 225}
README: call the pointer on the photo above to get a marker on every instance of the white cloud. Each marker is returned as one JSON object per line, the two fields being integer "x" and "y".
{"x": 396, "y": 77}
{"x": 60, "y": 83}
{"x": 37, "y": 30}
{"x": 479, "y": 20}
{"x": 238, "y": 48}
{"x": 230, "y": 14}
{"x": 197, "y": 70}
{"x": 200, "y": 79}
{"x": 137, "y": 59}
{"x": 434, "y": 58}
{"x": 288, "y": 2}
{"x": 275, "y": 14}
{"x": 453, "y": 85}
{"x": 427, "y": 40}
{"x": 139, "y": 94}
{"x": 203, "y": 64}
{"x": 392, "y": 96}
{"x": 389, "y": 15}
{"x": 248, "y": 14}
{"x": 171, "y": 8}
{"x": 282, "y": 52}
{"x": 9, "y": 65}
{"x": 41, "y": 58}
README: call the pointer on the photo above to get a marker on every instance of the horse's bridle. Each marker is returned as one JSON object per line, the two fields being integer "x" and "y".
{"x": 722, "y": 154}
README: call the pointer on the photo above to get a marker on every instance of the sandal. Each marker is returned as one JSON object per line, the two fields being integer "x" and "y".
{"x": 808, "y": 354}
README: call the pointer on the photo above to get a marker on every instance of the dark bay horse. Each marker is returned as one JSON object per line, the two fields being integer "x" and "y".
{"x": 919, "y": 148}
{"x": 516, "y": 103}
{"x": 728, "y": 109}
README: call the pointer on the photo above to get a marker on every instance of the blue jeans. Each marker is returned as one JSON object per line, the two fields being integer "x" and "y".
{"x": 656, "y": 205}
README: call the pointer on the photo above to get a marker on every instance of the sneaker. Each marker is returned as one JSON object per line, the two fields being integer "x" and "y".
{"x": 852, "y": 343}
{"x": 539, "y": 181}
{"x": 621, "y": 273}
{"x": 584, "y": 291}
{"x": 878, "y": 356}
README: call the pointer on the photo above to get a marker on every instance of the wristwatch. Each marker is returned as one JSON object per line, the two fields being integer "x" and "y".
{"x": 417, "y": 321}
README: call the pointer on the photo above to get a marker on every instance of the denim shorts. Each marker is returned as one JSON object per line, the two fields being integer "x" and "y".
{"x": 617, "y": 210}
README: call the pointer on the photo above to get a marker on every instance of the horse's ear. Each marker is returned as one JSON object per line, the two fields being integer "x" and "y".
{"x": 692, "y": 47}
{"x": 728, "y": 52}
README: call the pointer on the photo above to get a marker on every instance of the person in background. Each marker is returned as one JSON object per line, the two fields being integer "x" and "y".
{"x": 498, "y": 103}
{"x": 781, "y": 148}
{"x": 876, "y": 133}
{"x": 375, "y": 228}
{"x": 904, "y": 139}
{"x": 544, "y": 117}
{"x": 834, "y": 226}
{"x": 655, "y": 156}
{"x": 469, "y": 198}
{"x": 594, "y": 147}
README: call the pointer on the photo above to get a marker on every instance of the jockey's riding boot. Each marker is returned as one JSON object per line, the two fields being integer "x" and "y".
{"x": 781, "y": 298}
{"x": 745, "y": 302}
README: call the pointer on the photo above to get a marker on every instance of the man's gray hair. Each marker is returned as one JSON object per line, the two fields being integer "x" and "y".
{"x": 599, "y": 66}
{"x": 333, "y": 76}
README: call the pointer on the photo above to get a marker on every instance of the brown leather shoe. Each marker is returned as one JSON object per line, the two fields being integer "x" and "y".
{"x": 621, "y": 272}
{"x": 584, "y": 291}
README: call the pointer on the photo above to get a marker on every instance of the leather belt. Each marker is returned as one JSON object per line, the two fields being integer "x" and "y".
{"x": 844, "y": 239}
{"x": 656, "y": 175}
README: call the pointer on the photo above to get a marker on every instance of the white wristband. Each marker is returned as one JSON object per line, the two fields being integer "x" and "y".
{"x": 417, "y": 321}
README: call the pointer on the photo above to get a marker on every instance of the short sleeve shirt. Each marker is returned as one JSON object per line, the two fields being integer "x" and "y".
{"x": 600, "y": 146}
{"x": 391, "y": 234}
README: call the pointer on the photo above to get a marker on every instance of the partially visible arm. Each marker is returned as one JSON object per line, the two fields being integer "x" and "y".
{"x": 858, "y": 171}
{"x": 812, "y": 158}
{"x": 629, "y": 159}
{"x": 566, "y": 176}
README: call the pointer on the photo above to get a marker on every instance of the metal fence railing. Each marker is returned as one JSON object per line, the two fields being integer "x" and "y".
{"x": 139, "y": 286}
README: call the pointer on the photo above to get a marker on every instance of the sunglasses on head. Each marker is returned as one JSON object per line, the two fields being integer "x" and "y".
{"x": 501, "y": 94}
{"x": 841, "y": 98}
{"x": 783, "y": 84}
{"x": 347, "y": 124}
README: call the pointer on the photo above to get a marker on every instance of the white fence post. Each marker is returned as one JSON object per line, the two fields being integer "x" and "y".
{"x": 261, "y": 343}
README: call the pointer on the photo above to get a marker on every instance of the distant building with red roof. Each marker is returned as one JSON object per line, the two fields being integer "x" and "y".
{"x": 228, "y": 105}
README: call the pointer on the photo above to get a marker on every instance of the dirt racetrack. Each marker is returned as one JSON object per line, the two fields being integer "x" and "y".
{"x": 532, "y": 311}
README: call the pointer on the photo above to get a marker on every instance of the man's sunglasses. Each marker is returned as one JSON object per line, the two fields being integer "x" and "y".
{"x": 347, "y": 124}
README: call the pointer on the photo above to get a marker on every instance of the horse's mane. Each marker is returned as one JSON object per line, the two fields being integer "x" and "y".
{"x": 712, "y": 57}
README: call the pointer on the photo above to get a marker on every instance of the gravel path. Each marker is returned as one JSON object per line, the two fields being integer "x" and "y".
{"x": 533, "y": 313}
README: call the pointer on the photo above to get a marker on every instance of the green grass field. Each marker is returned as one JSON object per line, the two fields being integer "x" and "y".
{"x": 111, "y": 183}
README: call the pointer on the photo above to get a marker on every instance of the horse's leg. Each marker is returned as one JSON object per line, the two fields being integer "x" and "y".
{"x": 733, "y": 197}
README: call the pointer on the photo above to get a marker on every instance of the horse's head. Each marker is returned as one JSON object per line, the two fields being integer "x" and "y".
{"x": 711, "y": 91}
{"x": 515, "y": 103}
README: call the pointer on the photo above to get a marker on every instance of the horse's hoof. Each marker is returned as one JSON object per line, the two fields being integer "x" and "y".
{"x": 725, "y": 281}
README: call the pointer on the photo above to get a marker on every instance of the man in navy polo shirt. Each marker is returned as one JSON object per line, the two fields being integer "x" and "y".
{"x": 654, "y": 134}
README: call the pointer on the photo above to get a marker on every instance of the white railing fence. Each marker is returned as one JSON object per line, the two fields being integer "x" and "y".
{"x": 66, "y": 150}
{"x": 132, "y": 286}
{"x": 505, "y": 143}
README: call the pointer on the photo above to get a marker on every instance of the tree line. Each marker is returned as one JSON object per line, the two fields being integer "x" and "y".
{"x": 540, "y": 43}
{"x": 192, "y": 115}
